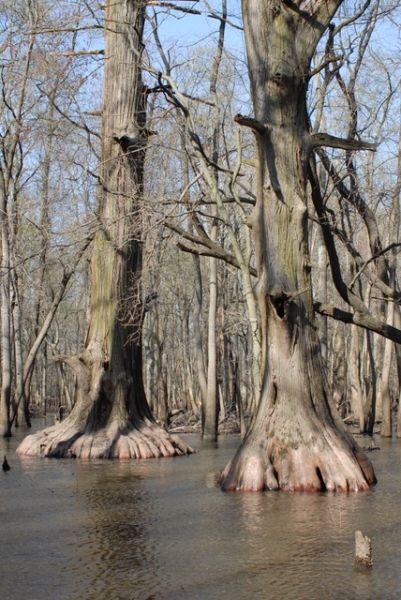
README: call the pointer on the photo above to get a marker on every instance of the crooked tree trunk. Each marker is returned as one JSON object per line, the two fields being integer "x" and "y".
{"x": 296, "y": 441}
{"x": 111, "y": 417}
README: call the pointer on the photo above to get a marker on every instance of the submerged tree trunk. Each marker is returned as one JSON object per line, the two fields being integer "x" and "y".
{"x": 111, "y": 417}
{"x": 296, "y": 441}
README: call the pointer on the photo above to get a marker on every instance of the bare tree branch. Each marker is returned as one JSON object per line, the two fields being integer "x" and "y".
{"x": 325, "y": 139}
{"x": 364, "y": 320}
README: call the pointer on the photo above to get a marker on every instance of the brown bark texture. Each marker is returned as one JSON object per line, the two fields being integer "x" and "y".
{"x": 297, "y": 441}
{"x": 111, "y": 417}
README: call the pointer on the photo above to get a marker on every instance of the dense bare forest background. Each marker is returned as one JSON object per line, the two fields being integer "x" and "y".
{"x": 199, "y": 265}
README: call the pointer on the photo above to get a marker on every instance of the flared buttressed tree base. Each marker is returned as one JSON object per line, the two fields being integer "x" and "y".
{"x": 146, "y": 440}
{"x": 324, "y": 462}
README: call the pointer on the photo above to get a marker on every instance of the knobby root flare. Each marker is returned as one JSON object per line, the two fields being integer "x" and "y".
{"x": 147, "y": 441}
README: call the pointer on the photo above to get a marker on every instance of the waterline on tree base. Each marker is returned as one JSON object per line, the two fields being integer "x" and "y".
{"x": 146, "y": 441}
{"x": 303, "y": 469}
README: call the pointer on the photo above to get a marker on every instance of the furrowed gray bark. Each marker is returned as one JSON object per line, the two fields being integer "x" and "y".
{"x": 296, "y": 441}
{"x": 111, "y": 417}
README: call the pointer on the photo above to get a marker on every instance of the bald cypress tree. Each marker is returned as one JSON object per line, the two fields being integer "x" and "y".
{"x": 111, "y": 417}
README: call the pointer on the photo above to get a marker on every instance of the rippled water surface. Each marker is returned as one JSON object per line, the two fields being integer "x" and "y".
{"x": 162, "y": 529}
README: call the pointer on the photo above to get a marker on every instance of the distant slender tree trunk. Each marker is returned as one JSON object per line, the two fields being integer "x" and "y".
{"x": 355, "y": 389}
{"x": 371, "y": 387}
{"x": 22, "y": 407}
{"x": 197, "y": 303}
{"x": 296, "y": 441}
{"x": 5, "y": 311}
{"x": 337, "y": 378}
{"x": 322, "y": 290}
{"x": 386, "y": 428}
{"x": 397, "y": 323}
{"x": 43, "y": 377}
{"x": 20, "y": 410}
{"x": 197, "y": 325}
{"x": 395, "y": 235}
{"x": 10, "y": 170}
{"x": 45, "y": 226}
{"x": 210, "y": 409}
{"x": 226, "y": 384}
{"x": 111, "y": 417}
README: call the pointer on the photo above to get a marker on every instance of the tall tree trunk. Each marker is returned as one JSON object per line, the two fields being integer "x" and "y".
{"x": 337, "y": 374}
{"x": 210, "y": 409}
{"x": 296, "y": 441}
{"x": 43, "y": 379}
{"x": 21, "y": 407}
{"x": 10, "y": 171}
{"x": 111, "y": 417}
{"x": 371, "y": 389}
{"x": 45, "y": 228}
{"x": 386, "y": 428}
{"x": 5, "y": 311}
{"x": 322, "y": 290}
{"x": 197, "y": 326}
{"x": 355, "y": 389}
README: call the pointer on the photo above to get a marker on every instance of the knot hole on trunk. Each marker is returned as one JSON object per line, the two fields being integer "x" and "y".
{"x": 279, "y": 303}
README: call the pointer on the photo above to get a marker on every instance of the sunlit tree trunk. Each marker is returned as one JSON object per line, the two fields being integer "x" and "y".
{"x": 296, "y": 441}
{"x": 197, "y": 326}
{"x": 10, "y": 170}
{"x": 322, "y": 290}
{"x": 111, "y": 417}
{"x": 387, "y": 421}
{"x": 355, "y": 389}
{"x": 337, "y": 375}
{"x": 5, "y": 311}
{"x": 386, "y": 427}
{"x": 210, "y": 408}
{"x": 20, "y": 404}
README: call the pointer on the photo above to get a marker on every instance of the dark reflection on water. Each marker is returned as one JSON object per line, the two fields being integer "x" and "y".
{"x": 162, "y": 529}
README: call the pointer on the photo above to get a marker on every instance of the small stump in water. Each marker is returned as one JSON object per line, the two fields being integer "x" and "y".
{"x": 363, "y": 550}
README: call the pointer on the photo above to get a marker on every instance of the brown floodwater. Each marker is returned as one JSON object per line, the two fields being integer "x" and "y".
{"x": 162, "y": 529}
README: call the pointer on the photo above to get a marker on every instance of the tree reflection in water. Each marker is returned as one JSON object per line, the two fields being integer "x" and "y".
{"x": 116, "y": 547}
{"x": 164, "y": 530}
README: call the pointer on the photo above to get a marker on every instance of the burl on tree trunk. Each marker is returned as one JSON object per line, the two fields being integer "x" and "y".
{"x": 111, "y": 417}
{"x": 296, "y": 441}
